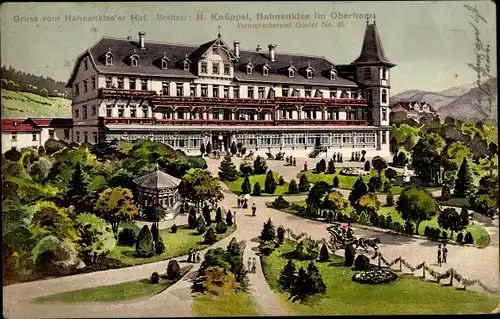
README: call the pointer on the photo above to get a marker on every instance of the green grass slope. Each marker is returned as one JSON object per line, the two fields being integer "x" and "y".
{"x": 16, "y": 104}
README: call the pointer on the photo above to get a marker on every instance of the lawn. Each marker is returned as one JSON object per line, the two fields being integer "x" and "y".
{"x": 124, "y": 291}
{"x": 16, "y": 104}
{"x": 177, "y": 244}
{"x": 408, "y": 295}
{"x": 345, "y": 182}
{"x": 235, "y": 186}
{"x": 233, "y": 304}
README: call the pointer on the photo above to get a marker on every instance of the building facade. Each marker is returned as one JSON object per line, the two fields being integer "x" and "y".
{"x": 34, "y": 132}
{"x": 413, "y": 110}
{"x": 185, "y": 96}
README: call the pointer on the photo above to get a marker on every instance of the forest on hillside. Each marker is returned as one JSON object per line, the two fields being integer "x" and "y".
{"x": 12, "y": 79}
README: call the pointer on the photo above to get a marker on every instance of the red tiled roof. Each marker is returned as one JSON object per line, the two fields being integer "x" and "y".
{"x": 19, "y": 125}
{"x": 56, "y": 122}
{"x": 409, "y": 105}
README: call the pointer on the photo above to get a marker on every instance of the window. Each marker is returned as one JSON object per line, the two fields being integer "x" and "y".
{"x": 262, "y": 92}
{"x": 144, "y": 84}
{"x": 192, "y": 90}
{"x": 204, "y": 68}
{"x": 85, "y": 112}
{"x": 250, "y": 92}
{"x": 236, "y": 92}
{"x": 144, "y": 111}
{"x": 94, "y": 136}
{"x": 85, "y": 64}
{"x": 308, "y": 92}
{"x": 66, "y": 133}
{"x": 344, "y": 95}
{"x": 367, "y": 74}
{"x": 369, "y": 95}
{"x": 34, "y": 137}
{"x": 93, "y": 82}
{"x": 384, "y": 73}
{"x": 265, "y": 71}
{"x": 215, "y": 68}
{"x": 85, "y": 86}
{"x": 109, "y": 81}
{"x": 215, "y": 91}
{"x": 180, "y": 114}
{"x": 77, "y": 89}
{"x": 77, "y": 113}
{"x": 180, "y": 89}
{"x": 186, "y": 66}
{"x": 384, "y": 138}
{"x": 384, "y": 96}
{"x": 249, "y": 69}
{"x": 14, "y": 136}
{"x": 384, "y": 114}
{"x": 120, "y": 83}
{"x": 121, "y": 111}
{"x": 286, "y": 90}
{"x": 109, "y": 58}
{"x": 133, "y": 62}
{"x": 133, "y": 112}
{"x": 94, "y": 110}
{"x": 165, "y": 88}
{"x": 333, "y": 93}
{"x": 291, "y": 73}
{"x": 333, "y": 75}
{"x": 226, "y": 91}
{"x": 336, "y": 115}
{"x": 226, "y": 70}
{"x": 78, "y": 137}
{"x": 164, "y": 64}
{"x": 85, "y": 137}
{"x": 204, "y": 90}
{"x": 108, "y": 111}
{"x": 165, "y": 114}
{"x": 309, "y": 74}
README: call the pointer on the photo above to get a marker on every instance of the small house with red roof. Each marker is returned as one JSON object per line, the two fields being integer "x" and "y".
{"x": 34, "y": 132}
{"x": 414, "y": 110}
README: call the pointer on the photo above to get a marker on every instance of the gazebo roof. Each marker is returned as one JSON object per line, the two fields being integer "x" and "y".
{"x": 157, "y": 180}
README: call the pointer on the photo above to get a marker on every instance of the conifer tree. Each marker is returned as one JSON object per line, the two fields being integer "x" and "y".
{"x": 270, "y": 183}
{"x": 227, "y": 170}
{"x": 302, "y": 287}
{"x": 281, "y": 234}
{"x": 218, "y": 215}
{"x": 192, "y": 219}
{"x": 464, "y": 180}
{"x": 331, "y": 167}
{"x": 304, "y": 183}
{"x": 229, "y": 218}
{"x": 201, "y": 225}
{"x": 358, "y": 190}
{"x": 256, "y": 189}
{"x": 144, "y": 244}
{"x": 288, "y": 276}
{"x": 293, "y": 187}
{"x": 268, "y": 232}
{"x": 246, "y": 188}
{"x": 318, "y": 286}
{"x": 323, "y": 254}
{"x": 155, "y": 232}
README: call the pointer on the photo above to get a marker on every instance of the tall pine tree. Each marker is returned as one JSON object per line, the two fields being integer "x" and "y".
{"x": 358, "y": 190}
{"x": 318, "y": 286}
{"x": 270, "y": 183}
{"x": 464, "y": 180}
{"x": 288, "y": 276}
{"x": 304, "y": 183}
{"x": 268, "y": 232}
{"x": 227, "y": 170}
{"x": 246, "y": 188}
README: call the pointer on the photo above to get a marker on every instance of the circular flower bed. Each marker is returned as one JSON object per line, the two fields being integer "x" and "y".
{"x": 374, "y": 277}
{"x": 349, "y": 171}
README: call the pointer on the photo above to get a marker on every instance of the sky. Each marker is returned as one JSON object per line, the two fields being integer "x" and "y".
{"x": 431, "y": 42}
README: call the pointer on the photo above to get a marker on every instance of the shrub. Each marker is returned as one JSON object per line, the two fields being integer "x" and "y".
{"x": 387, "y": 187}
{"x": 246, "y": 188}
{"x": 127, "y": 237}
{"x": 468, "y": 238}
{"x": 229, "y": 218}
{"x": 292, "y": 187}
{"x": 306, "y": 249}
{"x": 218, "y": 215}
{"x": 218, "y": 281}
{"x": 390, "y": 198}
{"x": 221, "y": 227}
{"x": 367, "y": 166}
{"x": 281, "y": 181}
{"x": 374, "y": 277}
{"x": 144, "y": 243}
{"x": 173, "y": 228}
{"x": 375, "y": 220}
{"x": 408, "y": 227}
{"x": 159, "y": 247}
{"x": 155, "y": 278}
{"x": 460, "y": 237}
{"x": 288, "y": 276}
{"x": 444, "y": 234}
{"x": 381, "y": 221}
{"x": 323, "y": 254}
{"x": 350, "y": 252}
{"x": 210, "y": 236}
{"x": 201, "y": 225}
{"x": 281, "y": 234}
{"x": 173, "y": 270}
{"x": 304, "y": 183}
{"x": 336, "y": 182}
{"x": 362, "y": 263}
{"x": 270, "y": 183}
{"x": 324, "y": 213}
{"x": 267, "y": 247}
{"x": 256, "y": 189}
{"x": 427, "y": 231}
{"x": 192, "y": 219}
{"x": 280, "y": 203}
{"x": 362, "y": 220}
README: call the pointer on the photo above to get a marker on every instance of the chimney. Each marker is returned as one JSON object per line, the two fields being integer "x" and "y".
{"x": 141, "y": 40}
{"x": 272, "y": 56}
{"x": 258, "y": 48}
{"x": 236, "y": 49}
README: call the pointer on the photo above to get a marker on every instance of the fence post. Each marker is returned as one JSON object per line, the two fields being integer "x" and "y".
{"x": 400, "y": 268}
{"x": 451, "y": 276}
{"x": 423, "y": 271}
{"x": 379, "y": 260}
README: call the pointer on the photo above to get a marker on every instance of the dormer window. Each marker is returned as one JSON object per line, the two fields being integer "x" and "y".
{"x": 186, "y": 66}
{"x": 203, "y": 67}
{"x": 265, "y": 71}
{"x": 333, "y": 74}
{"x": 109, "y": 58}
{"x": 164, "y": 63}
{"x": 291, "y": 73}
{"x": 134, "y": 60}
{"x": 249, "y": 69}
{"x": 309, "y": 73}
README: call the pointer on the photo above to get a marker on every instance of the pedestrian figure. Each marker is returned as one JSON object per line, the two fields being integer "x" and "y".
{"x": 190, "y": 255}
{"x": 239, "y": 202}
{"x": 287, "y": 160}
{"x": 198, "y": 259}
{"x": 339, "y": 158}
{"x": 294, "y": 162}
{"x": 305, "y": 167}
{"x": 249, "y": 262}
{"x": 439, "y": 255}
{"x": 254, "y": 265}
{"x": 254, "y": 209}
{"x": 245, "y": 203}
{"x": 445, "y": 253}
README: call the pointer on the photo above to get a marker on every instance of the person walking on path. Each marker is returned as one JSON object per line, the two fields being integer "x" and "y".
{"x": 445, "y": 253}
{"x": 198, "y": 259}
{"x": 249, "y": 263}
{"x": 254, "y": 209}
{"x": 190, "y": 256}
{"x": 254, "y": 265}
{"x": 239, "y": 202}
{"x": 439, "y": 255}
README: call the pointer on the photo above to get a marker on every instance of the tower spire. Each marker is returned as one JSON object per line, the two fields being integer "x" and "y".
{"x": 218, "y": 34}
{"x": 157, "y": 166}
{"x": 372, "y": 50}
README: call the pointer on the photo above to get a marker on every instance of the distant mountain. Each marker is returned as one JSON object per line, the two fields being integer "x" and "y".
{"x": 457, "y": 102}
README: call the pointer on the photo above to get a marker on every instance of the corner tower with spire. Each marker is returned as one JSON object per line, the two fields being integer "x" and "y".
{"x": 373, "y": 75}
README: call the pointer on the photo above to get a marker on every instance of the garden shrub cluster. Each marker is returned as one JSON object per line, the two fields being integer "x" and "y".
{"x": 374, "y": 277}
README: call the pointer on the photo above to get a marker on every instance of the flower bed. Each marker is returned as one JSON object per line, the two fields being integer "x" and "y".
{"x": 374, "y": 277}
{"x": 350, "y": 171}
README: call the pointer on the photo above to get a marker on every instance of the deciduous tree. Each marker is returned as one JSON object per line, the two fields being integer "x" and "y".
{"x": 416, "y": 205}
{"x": 199, "y": 186}
{"x": 116, "y": 205}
